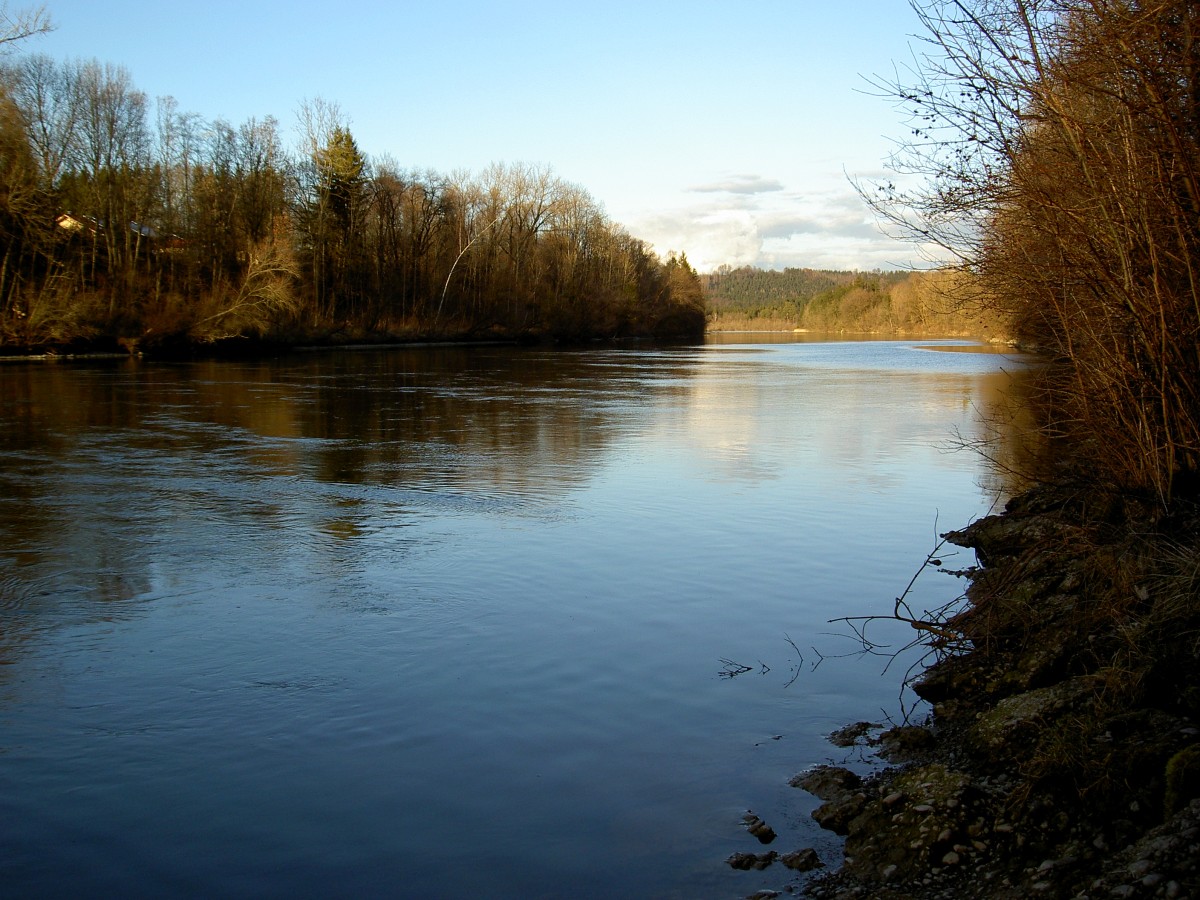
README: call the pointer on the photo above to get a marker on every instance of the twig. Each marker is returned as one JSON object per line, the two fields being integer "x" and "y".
{"x": 799, "y": 663}
{"x": 732, "y": 669}
{"x": 935, "y": 629}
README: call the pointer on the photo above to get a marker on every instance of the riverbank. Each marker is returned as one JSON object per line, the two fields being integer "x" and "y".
{"x": 1062, "y": 754}
{"x": 307, "y": 342}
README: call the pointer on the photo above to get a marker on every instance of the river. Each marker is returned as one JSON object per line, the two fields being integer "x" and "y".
{"x": 453, "y": 622}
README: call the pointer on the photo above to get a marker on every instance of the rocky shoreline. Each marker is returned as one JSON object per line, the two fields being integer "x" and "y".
{"x": 1062, "y": 755}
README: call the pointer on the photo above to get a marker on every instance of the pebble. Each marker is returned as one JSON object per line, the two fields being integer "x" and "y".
{"x": 757, "y": 827}
{"x": 826, "y": 782}
{"x": 951, "y": 859}
{"x": 747, "y": 861}
{"x": 804, "y": 860}
{"x": 1139, "y": 868}
{"x": 851, "y": 734}
{"x": 923, "y": 808}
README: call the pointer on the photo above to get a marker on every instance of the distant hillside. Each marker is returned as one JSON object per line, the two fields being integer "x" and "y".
{"x": 750, "y": 291}
{"x": 941, "y": 303}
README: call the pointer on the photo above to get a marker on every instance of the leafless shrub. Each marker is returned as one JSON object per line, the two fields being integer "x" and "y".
{"x": 1057, "y": 146}
{"x": 266, "y": 292}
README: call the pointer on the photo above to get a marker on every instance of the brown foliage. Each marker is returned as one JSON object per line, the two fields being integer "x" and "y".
{"x": 1061, "y": 144}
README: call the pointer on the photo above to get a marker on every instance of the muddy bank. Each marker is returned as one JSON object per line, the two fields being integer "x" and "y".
{"x": 1062, "y": 754}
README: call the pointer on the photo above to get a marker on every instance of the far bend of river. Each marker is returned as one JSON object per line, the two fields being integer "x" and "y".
{"x": 449, "y": 622}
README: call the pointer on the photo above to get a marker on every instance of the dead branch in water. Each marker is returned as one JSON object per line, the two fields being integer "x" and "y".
{"x": 935, "y": 628}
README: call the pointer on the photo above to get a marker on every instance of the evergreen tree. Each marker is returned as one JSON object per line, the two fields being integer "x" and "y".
{"x": 336, "y": 220}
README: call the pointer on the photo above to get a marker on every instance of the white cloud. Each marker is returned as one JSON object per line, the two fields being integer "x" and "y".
{"x": 826, "y": 228}
{"x": 709, "y": 237}
{"x": 740, "y": 184}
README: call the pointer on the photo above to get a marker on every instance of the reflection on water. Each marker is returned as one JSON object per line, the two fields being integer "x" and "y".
{"x": 336, "y": 624}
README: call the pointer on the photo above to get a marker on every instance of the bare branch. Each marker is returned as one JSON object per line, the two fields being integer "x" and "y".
{"x": 20, "y": 24}
{"x": 731, "y": 669}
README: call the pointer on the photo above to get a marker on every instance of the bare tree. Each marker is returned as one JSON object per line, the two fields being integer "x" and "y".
{"x": 20, "y": 24}
{"x": 1056, "y": 147}
{"x": 260, "y": 166}
{"x": 178, "y": 155}
{"x": 112, "y": 153}
{"x": 47, "y": 93}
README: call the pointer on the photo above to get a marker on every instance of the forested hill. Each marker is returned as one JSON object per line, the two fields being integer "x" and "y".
{"x": 825, "y": 300}
{"x": 747, "y": 286}
{"x": 751, "y": 291}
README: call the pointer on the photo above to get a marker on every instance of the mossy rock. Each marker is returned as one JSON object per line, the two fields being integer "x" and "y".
{"x": 1016, "y": 722}
{"x": 1183, "y": 779}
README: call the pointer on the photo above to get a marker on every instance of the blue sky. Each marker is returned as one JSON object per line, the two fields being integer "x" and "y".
{"x": 725, "y": 130}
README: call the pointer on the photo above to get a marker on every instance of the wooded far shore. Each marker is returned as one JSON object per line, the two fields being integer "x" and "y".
{"x": 141, "y": 226}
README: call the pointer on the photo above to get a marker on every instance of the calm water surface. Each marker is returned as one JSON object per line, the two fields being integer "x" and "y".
{"x": 450, "y": 622}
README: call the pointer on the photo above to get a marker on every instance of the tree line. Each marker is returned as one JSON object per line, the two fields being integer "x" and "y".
{"x": 926, "y": 303}
{"x": 1057, "y": 145}
{"x": 770, "y": 294}
{"x": 127, "y": 220}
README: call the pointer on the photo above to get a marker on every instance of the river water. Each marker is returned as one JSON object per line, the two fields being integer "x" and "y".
{"x": 451, "y": 622}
